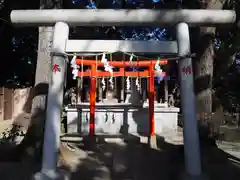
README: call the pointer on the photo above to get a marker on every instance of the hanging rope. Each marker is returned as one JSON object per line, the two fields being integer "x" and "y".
{"x": 105, "y": 63}
{"x": 103, "y": 84}
{"x": 75, "y": 67}
{"x": 130, "y": 54}
{"x": 159, "y": 71}
{"x": 107, "y": 67}
{"x": 137, "y": 80}
{"x": 82, "y": 73}
{"x": 97, "y": 83}
{"x": 128, "y": 85}
{"x": 111, "y": 78}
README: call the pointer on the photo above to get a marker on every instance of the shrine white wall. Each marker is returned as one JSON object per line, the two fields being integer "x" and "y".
{"x": 115, "y": 119}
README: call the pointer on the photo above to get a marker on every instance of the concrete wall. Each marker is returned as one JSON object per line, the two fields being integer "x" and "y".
{"x": 14, "y": 102}
{"x": 21, "y": 104}
{"x": 19, "y": 108}
{"x": 114, "y": 119}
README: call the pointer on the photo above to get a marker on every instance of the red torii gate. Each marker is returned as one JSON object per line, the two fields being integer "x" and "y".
{"x": 93, "y": 72}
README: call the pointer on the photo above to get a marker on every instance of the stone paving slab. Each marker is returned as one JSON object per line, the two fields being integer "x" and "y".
{"x": 230, "y": 147}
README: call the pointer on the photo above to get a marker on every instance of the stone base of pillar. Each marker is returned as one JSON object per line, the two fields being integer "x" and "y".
{"x": 152, "y": 141}
{"x": 186, "y": 176}
{"x": 90, "y": 141}
{"x": 52, "y": 175}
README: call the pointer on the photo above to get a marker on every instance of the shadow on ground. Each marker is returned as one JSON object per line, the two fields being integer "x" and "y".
{"x": 124, "y": 160}
{"x": 130, "y": 159}
{"x": 135, "y": 160}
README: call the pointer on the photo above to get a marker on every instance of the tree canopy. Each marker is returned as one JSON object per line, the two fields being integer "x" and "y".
{"x": 19, "y": 45}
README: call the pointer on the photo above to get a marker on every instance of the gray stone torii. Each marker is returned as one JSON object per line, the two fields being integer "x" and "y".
{"x": 62, "y": 19}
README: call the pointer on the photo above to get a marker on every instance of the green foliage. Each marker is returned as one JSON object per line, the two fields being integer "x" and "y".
{"x": 9, "y": 135}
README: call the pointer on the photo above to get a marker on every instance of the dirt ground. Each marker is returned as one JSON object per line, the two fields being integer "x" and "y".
{"x": 130, "y": 160}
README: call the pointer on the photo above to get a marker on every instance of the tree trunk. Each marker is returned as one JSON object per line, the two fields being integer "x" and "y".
{"x": 205, "y": 54}
{"x": 31, "y": 146}
{"x": 204, "y": 70}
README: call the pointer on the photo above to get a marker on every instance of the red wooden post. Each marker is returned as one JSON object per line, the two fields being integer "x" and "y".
{"x": 151, "y": 99}
{"x": 92, "y": 100}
